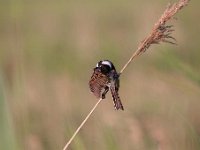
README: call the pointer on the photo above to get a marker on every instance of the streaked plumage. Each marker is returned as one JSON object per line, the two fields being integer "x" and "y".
{"x": 105, "y": 77}
{"x": 98, "y": 83}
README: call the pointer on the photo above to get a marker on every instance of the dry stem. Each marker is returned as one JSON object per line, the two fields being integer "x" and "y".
{"x": 77, "y": 130}
{"x": 160, "y": 33}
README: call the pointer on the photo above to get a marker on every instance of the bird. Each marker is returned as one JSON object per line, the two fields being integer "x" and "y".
{"x": 103, "y": 79}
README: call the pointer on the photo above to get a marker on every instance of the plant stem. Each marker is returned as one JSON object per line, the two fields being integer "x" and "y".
{"x": 77, "y": 130}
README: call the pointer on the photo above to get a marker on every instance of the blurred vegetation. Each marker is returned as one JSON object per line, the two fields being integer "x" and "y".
{"x": 47, "y": 52}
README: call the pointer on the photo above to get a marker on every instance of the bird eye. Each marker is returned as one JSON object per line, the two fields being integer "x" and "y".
{"x": 99, "y": 64}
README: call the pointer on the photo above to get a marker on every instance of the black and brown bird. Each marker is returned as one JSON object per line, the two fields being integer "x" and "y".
{"x": 103, "y": 79}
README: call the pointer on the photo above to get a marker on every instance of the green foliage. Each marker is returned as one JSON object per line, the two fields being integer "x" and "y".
{"x": 7, "y": 136}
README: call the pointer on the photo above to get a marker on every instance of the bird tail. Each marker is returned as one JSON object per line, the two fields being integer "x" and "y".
{"x": 116, "y": 99}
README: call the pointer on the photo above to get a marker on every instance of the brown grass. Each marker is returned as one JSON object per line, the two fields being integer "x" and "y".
{"x": 160, "y": 33}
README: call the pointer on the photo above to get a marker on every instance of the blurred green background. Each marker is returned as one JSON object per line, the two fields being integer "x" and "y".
{"x": 47, "y": 52}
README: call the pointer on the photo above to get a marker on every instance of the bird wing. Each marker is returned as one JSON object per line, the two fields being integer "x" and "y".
{"x": 98, "y": 82}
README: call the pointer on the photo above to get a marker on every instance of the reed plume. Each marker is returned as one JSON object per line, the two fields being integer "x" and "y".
{"x": 160, "y": 32}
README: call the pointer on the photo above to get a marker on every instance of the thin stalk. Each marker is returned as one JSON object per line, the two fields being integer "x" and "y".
{"x": 84, "y": 121}
{"x": 160, "y": 33}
